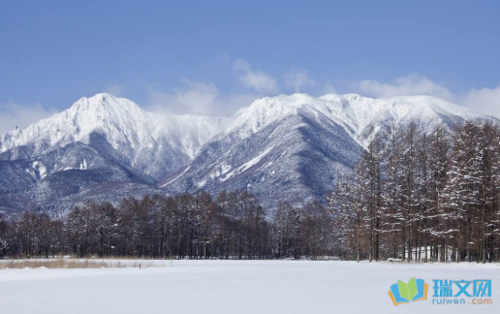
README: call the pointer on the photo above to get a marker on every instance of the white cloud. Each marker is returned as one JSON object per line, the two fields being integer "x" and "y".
{"x": 261, "y": 82}
{"x": 115, "y": 90}
{"x": 484, "y": 100}
{"x": 198, "y": 98}
{"x": 328, "y": 88}
{"x": 205, "y": 98}
{"x": 194, "y": 98}
{"x": 404, "y": 86}
{"x": 12, "y": 115}
{"x": 298, "y": 80}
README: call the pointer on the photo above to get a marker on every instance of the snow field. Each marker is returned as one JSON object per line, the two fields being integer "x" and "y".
{"x": 233, "y": 287}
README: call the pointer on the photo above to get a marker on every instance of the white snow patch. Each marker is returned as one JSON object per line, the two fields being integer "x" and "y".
{"x": 249, "y": 164}
{"x": 201, "y": 183}
{"x": 83, "y": 165}
{"x": 42, "y": 170}
{"x": 185, "y": 170}
{"x": 255, "y": 160}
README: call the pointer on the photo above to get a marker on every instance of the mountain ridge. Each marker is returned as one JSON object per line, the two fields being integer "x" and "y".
{"x": 294, "y": 146}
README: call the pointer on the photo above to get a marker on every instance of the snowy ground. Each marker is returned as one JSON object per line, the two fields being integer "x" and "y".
{"x": 233, "y": 287}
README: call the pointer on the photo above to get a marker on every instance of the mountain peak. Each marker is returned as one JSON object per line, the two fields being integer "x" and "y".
{"x": 100, "y": 97}
{"x": 124, "y": 125}
{"x": 121, "y": 121}
{"x": 352, "y": 111}
{"x": 106, "y": 102}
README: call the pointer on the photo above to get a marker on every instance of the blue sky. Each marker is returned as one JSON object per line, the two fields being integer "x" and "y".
{"x": 213, "y": 57}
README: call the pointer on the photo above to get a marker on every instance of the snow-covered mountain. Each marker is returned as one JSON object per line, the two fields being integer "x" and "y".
{"x": 140, "y": 139}
{"x": 355, "y": 113}
{"x": 289, "y": 147}
{"x": 292, "y": 147}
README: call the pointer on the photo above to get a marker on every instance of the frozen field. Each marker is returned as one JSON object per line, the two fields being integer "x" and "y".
{"x": 233, "y": 287}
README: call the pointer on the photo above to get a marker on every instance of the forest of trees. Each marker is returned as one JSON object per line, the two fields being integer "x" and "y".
{"x": 412, "y": 196}
{"x": 233, "y": 226}
{"x": 419, "y": 196}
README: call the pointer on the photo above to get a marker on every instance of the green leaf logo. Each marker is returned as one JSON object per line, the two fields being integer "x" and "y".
{"x": 408, "y": 291}
{"x": 412, "y": 288}
{"x": 403, "y": 290}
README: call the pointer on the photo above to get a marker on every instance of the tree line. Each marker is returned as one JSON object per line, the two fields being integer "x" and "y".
{"x": 413, "y": 196}
{"x": 422, "y": 196}
{"x": 231, "y": 226}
